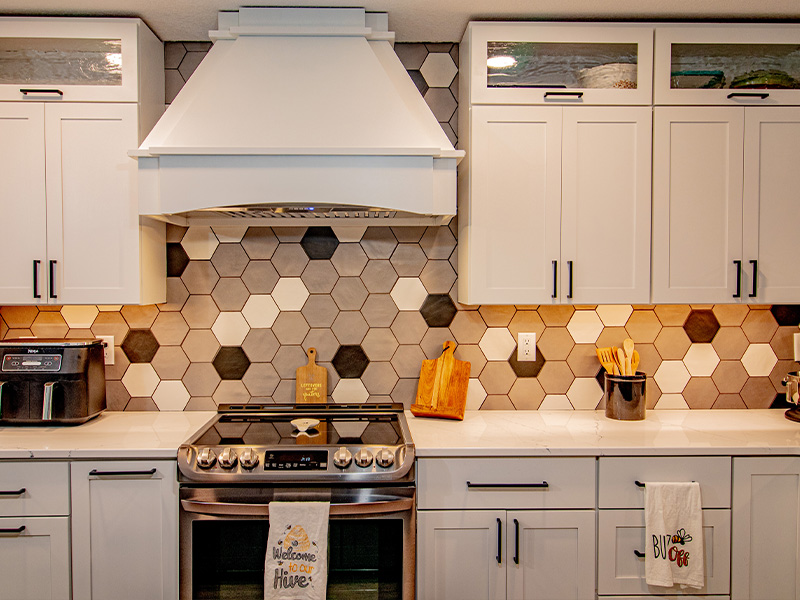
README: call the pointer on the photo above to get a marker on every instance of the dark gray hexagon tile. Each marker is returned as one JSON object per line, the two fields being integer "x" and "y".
{"x": 324, "y": 342}
{"x": 289, "y": 260}
{"x": 378, "y": 242}
{"x": 290, "y": 328}
{"x": 200, "y": 345}
{"x": 786, "y": 314}
{"x": 408, "y": 260}
{"x": 319, "y": 243}
{"x": 407, "y": 360}
{"x": 261, "y": 379}
{"x": 379, "y": 378}
{"x": 201, "y": 379}
{"x": 260, "y": 277}
{"x": 379, "y": 276}
{"x": 231, "y": 362}
{"x": 260, "y": 243}
{"x": 379, "y": 344}
{"x": 379, "y": 310}
{"x": 527, "y": 368}
{"x": 350, "y": 327}
{"x": 288, "y": 359}
{"x": 200, "y": 277}
{"x": 230, "y": 260}
{"x": 177, "y": 260}
{"x": 350, "y": 361}
{"x": 701, "y": 326}
{"x": 349, "y": 260}
{"x": 320, "y": 310}
{"x": 260, "y": 345}
{"x": 438, "y": 276}
{"x": 170, "y": 362}
{"x": 230, "y": 294}
{"x": 409, "y": 327}
{"x": 438, "y": 310}
{"x": 319, "y": 277}
{"x": 177, "y": 294}
{"x": 438, "y": 242}
{"x": 349, "y": 293}
{"x": 200, "y": 311}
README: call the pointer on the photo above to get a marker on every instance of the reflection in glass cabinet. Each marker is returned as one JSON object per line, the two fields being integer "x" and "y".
{"x": 61, "y": 61}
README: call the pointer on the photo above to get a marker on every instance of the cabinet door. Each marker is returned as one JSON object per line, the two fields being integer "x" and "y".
{"x": 551, "y": 555}
{"x": 125, "y": 530}
{"x": 23, "y": 226}
{"x": 766, "y": 528}
{"x": 514, "y": 213}
{"x": 92, "y": 213}
{"x": 771, "y": 192}
{"x": 697, "y": 204}
{"x": 605, "y": 222}
{"x": 34, "y": 558}
{"x": 460, "y": 555}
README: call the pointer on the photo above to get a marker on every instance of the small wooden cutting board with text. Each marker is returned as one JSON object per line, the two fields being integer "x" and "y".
{"x": 312, "y": 381}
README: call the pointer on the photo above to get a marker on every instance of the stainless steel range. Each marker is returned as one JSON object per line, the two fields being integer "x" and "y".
{"x": 359, "y": 457}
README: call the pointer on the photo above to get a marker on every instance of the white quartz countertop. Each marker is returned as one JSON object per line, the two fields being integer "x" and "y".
{"x": 590, "y": 433}
{"x": 110, "y": 435}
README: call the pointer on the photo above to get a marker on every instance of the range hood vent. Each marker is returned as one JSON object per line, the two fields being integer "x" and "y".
{"x": 299, "y": 114}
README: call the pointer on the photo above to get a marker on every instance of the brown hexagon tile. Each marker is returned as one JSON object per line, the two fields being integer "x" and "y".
{"x": 405, "y": 392}
{"x": 672, "y": 315}
{"x": 433, "y": 341}
{"x": 290, "y": 328}
{"x": 350, "y": 327}
{"x": 653, "y": 393}
{"x": 526, "y": 394}
{"x": 201, "y": 345}
{"x": 289, "y": 260}
{"x": 555, "y": 343}
{"x": 759, "y": 326}
{"x": 201, "y": 379}
{"x": 175, "y": 233}
{"x": 230, "y": 260}
{"x": 288, "y": 359}
{"x": 582, "y": 360}
{"x": 649, "y": 359}
{"x": 349, "y": 260}
{"x": 319, "y": 276}
{"x": 555, "y": 377}
{"x": 320, "y": 310}
{"x": 730, "y": 315}
{"x": 468, "y": 327}
{"x": 260, "y": 277}
{"x": 170, "y": 362}
{"x": 556, "y": 315}
{"x": 407, "y": 360}
{"x": 473, "y": 355}
{"x": 14, "y": 334}
{"x": 111, "y": 323}
{"x": 19, "y": 317}
{"x": 783, "y": 342}
{"x": 438, "y": 242}
{"x": 379, "y": 378}
{"x": 177, "y": 294}
{"x": 139, "y": 317}
{"x": 349, "y": 293}
{"x": 526, "y": 321}
{"x": 408, "y": 260}
{"x": 72, "y": 334}
{"x": 230, "y": 294}
{"x": 260, "y": 243}
{"x": 379, "y": 276}
{"x": 730, "y": 343}
{"x": 729, "y": 376}
{"x": 611, "y": 336}
{"x": 728, "y": 401}
{"x": 49, "y": 325}
{"x": 672, "y": 343}
{"x": 497, "y": 402}
{"x": 121, "y": 362}
{"x": 643, "y": 326}
{"x": 3, "y": 328}
{"x": 200, "y": 277}
{"x": 497, "y": 377}
{"x": 379, "y": 344}
{"x": 117, "y": 396}
{"x": 142, "y": 405}
{"x": 261, "y": 379}
{"x": 324, "y": 342}
{"x": 378, "y": 242}
{"x": 700, "y": 392}
{"x": 379, "y": 310}
{"x": 496, "y": 315}
{"x": 200, "y": 311}
{"x": 409, "y": 327}
{"x": 54, "y": 308}
{"x": 758, "y": 392}
{"x": 438, "y": 276}
{"x": 169, "y": 329}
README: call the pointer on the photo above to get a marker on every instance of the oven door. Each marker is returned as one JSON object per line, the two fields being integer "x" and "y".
{"x": 223, "y": 541}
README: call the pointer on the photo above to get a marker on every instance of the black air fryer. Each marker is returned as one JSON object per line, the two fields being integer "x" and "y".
{"x": 51, "y": 382}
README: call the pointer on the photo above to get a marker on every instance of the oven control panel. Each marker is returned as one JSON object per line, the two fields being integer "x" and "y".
{"x": 296, "y": 460}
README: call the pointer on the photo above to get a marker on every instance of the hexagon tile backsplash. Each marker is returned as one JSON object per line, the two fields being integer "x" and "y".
{"x": 244, "y": 304}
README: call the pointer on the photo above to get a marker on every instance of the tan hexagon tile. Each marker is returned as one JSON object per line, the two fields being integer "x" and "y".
{"x": 672, "y": 376}
{"x": 468, "y": 327}
{"x": 438, "y": 242}
{"x": 379, "y": 345}
{"x": 320, "y": 310}
{"x": 614, "y": 315}
{"x": 672, "y": 343}
{"x": 230, "y": 234}
{"x": 230, "y": 294}
{"x": 82, "y": 317}
{"x": 407, "y": 360}
{"x": 290, "y": 293}
{"x": 319, "y": 276}
{"x": 171, "y": 395}
{"x": 729, "y": 377}
{"x": 643, "y": 326}
{"x": 350, "y": 327}
{"x": 700, "y": 392}
{"x": 201, "y": 379}
{"x": 201, "y": 345}
{"x": 405, "y": 392}
{"x": 260, "y": 311}
{"x": 79, "y": 334}
{"x": 653, "y": 393}
{"x": 582, "y": 360}
{"x": 379, "y": 378}
{"x": 260, "y": 277}
{"x": 701, "y": 360}
{"x": 170, "y": 362}
{"x": 496, "y": 315}
{"x": 200, "y": 277}
{"x": 285, "y": 392}
{"x": 526, "y": 393}
{"x": 526, "y": 321}
{"x": 287, "y": 359}
{"x": 290, "y": 234}
{"x": 556, "y": 315}
{"x": 409, "y": 327}
{"x": 438, "y": 276}
{"x": 169, "y": 328}
{"x": 19, "y": 317}
{"x": 290, "y": 328}
{"x": 409, "y": 293}
{"x": 497, "y": 344}
{"x": 556, "y": 402}
{"x": 260, "y": 243}
{"x": 612, "y": 337}
{"x": 231, "y": 392}
{"x": 758, "y": 392}
{"x": 671, "y": 402}
{"x": 175, "y": 233}
{"x": 141, "y": 404}
{"x": 350, "y": 391}
{"x": 783, "y": 342}
{"x": 261, "y": 379}
{"x": 438, "y": 69}
{"x": 555, "y": 377}
{"x": 379, "y": 310}
{"x": 497, "y": 402}
{"x": 555, "y": 343}
{"x": 201, "y": 403}
{"x": 14, "y": 334}
{"x": 729, "y": 401}
{"x": 177, "y": 294}
{"x": 289, "y": 260}
{"x": 584, "y": 393}
{"x": 730, "y": 343}
{"x": 379, "y": 276}
{"x": 758, "y": 360}
{"x": 117, "y": 397}
{"x": 230, "y": 328}
{"x": 349, "y": 260}
{"x": 475, "y": 394}
{"x": 473, "y": 355}
{"x": 349, "y": 233}
{"x": 349, "y": 293}
{"x": 121, "y": 362}
{"x": 672, "y": 315}
{"x": 140, "y": 380}
{"x": 200, "y": 311}
{"x": 3, "y": 328}
{"x": 730, "y": 315}
{"x": 378, "y": 242}
{"x": 199, "y": 243}
{"x": 585, "y": 326}
{"x": 433, "y": 341}
{"x": 324, "y": 342}
{"x": 759, "y": 326}
{"x": 49, "y": 325}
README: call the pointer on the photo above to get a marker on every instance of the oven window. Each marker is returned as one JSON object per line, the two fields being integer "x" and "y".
{"x": 365, "y": 559}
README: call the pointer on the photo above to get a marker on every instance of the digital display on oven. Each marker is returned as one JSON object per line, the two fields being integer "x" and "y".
{"x": 296, "y": 460}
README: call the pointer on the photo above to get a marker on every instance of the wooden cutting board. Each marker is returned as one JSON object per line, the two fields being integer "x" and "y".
{"x": 312, "y": 381}
{"x": 442, "y": 389}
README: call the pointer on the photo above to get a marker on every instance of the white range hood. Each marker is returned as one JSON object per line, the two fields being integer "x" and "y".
{"x": 299, "y": 113}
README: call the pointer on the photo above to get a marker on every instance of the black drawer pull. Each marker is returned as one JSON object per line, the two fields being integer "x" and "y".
{"x": 36, "y": 293}
{"x": 544, "y": 484}
{"x": 18, "y": 492}
{"x": 96, "y": 473}
{"x": 762, "y": 95}
{"x": 555, "y": 280}
{"x": 516, "y": 542}
{"x": 738, "y": 293}
{"x": 576, "y": 95}
{"x": 19, "y": 529}
{"x": 34, "y": 91}
{"x": 754, "y": 263}
{"x": 53, "y": 278}
{"x": 639, "y": 554}
{"x": 499, "y": 541}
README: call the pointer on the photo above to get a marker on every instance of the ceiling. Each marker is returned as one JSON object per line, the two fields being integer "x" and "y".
{"x": 413, "y": 20}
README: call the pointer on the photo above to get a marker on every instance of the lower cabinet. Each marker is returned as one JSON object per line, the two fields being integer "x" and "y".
{"x": 124, "y": 530}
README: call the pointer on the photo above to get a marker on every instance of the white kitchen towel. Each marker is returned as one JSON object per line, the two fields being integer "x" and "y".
{"x": 296, "y": 565}
{"x": 673, "y": 515}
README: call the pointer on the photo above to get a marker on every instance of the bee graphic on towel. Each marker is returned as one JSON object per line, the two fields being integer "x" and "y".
{"x": 297, "y": 551}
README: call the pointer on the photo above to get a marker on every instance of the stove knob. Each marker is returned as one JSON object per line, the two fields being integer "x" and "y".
{"x": 227, "y": 458}
{"x": 342, "y": 457}
{"x": 363, "y": 457}
{"x": 206, "y": 458}
{"x": 249, "y": 458}
{"x": 384, "y": 458}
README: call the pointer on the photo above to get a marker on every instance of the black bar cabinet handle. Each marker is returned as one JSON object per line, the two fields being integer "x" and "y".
{"x": 639, "y": 554}
{"x": 738, "y": 293}
{"x": 96, "y": 473}
{"x": 569, "y": 269}
{"x": 543, "y": 484}
{"x": 18, "y": 492}
{"x": 499, "y": 541}
{"x": 53, "y": 264}
{"x": 36, "y": 293}
{"x": 516, "y": 542}
{"x": 555, "y": 279}
{"x": 573, "y": 94}
{"x": 762, "y": 95}
{"x": 34, "y": 91}
{"x": 19, "y": 529}
{"x": 755, "y": 278}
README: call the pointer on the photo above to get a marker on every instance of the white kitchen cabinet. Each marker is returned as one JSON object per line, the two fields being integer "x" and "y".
{"x": 723, "y": 193}
{"x": 766, "y": 528}
{"x": 124, "y": 530}
{"x": 555, "y": 206}
{"x": 68, "y": 190}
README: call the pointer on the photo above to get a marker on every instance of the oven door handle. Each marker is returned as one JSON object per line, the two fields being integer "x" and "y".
{"x": 348, "y": 508}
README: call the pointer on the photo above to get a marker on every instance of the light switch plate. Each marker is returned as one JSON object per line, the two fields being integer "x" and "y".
{"x": 526, "y": 347}
{"x": 108, "y": 350}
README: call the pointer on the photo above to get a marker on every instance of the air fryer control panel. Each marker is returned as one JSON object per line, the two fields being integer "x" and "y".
{"x": 37, "y": 363}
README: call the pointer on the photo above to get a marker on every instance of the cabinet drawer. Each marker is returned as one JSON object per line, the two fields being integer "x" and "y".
{"x": 506, "y": 483}
{"x": 618, "y": 477}
{"x": 620, "y": 571}
{"x": 34, "y": 489}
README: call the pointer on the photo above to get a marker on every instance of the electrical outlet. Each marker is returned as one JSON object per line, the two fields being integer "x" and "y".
{"x": 526, "y": 347}
{"x": 108, "y": 350}
{"x": 797, "y": 347}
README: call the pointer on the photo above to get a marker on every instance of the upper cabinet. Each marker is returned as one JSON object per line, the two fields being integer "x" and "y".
{"x": 557, "y": 63}
{"x": 727, "y": 64}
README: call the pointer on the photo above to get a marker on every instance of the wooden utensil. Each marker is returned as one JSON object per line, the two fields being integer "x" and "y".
{"x": 442, "y": 389}
{"x": 634, "y": 361}
{"x": 621, "y": 361}
{"x": 627, "y": 347}
{"x": 606, "y": 358}
{"x": 312, "y": 381}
